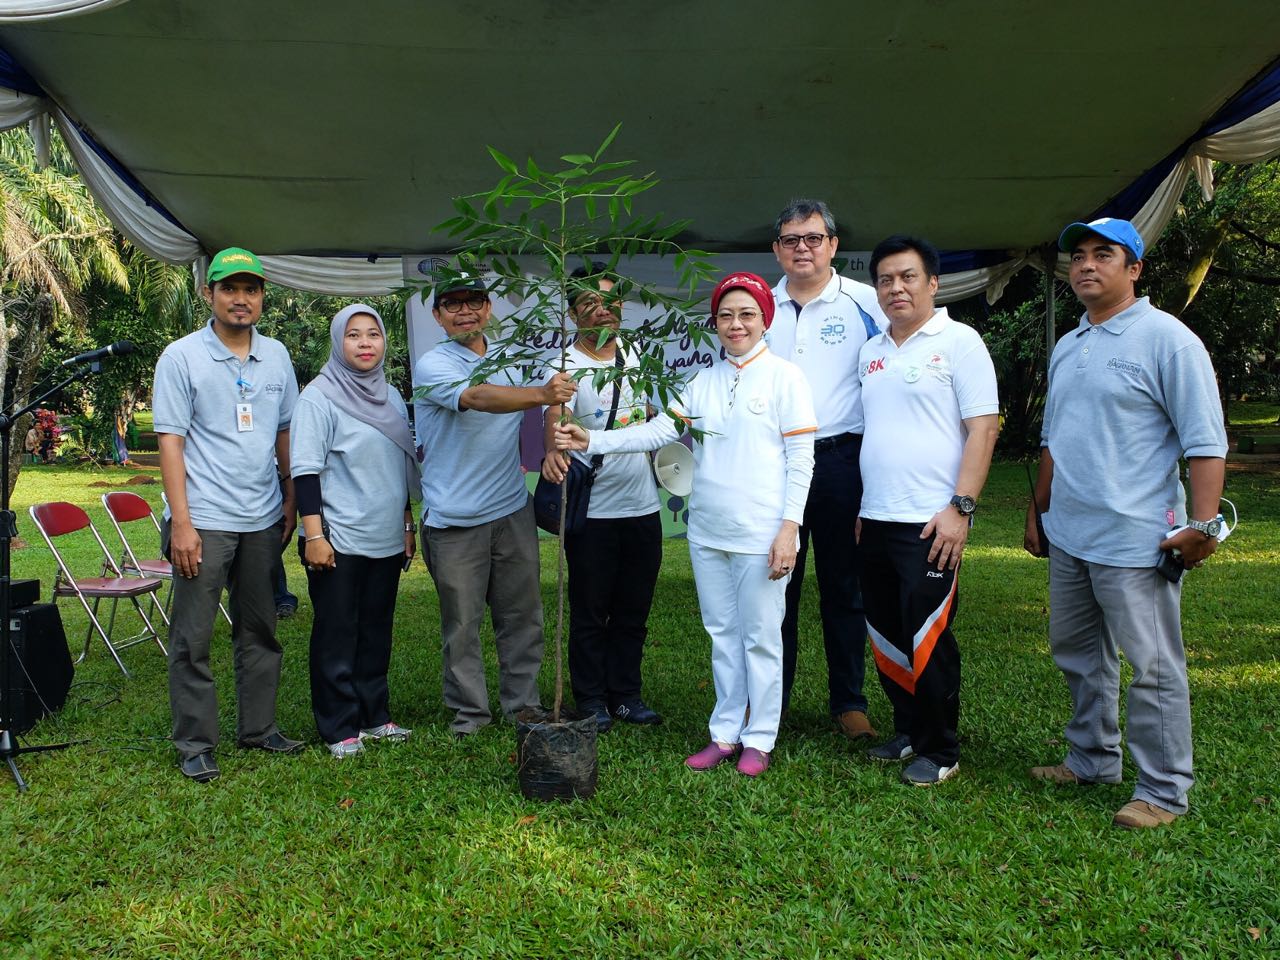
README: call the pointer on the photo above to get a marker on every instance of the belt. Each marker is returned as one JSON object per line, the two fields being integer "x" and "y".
{"x": 839, "y": 440}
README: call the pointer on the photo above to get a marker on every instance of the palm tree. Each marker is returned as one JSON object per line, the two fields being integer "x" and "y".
{"x": 54, "y": 239}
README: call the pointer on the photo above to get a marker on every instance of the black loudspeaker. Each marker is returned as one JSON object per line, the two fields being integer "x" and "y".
{"x": 40, "y": 668}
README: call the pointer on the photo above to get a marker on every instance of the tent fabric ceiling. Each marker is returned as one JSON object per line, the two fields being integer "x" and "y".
{"x": 327, "y": 129}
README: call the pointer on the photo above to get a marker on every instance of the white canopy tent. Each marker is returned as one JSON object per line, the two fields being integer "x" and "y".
{"x": 331, "y": 137}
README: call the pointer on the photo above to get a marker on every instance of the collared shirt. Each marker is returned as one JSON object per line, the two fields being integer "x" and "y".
{"x": 823, "y": 339}
{"x": 752, "y": 468}
{"x": 1127, "y": 398}
{"x": 362, "y": 474}
{"x": 470, "y": 459}
{"x": 200, "y": 388}
{"x": 916, "y": 398}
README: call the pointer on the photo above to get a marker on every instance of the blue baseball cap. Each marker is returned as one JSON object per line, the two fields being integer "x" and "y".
{"x": 1118, "y": 231}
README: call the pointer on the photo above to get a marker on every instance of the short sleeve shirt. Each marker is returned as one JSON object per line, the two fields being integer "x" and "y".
{"x": 361, "y": 470}
{"x": 470, "y": 460}
{"x": 1127, "y": 399}
{"x": 916, "y": 398}
{"x": 203, "y": 393}
{"x": 823, "y": 338}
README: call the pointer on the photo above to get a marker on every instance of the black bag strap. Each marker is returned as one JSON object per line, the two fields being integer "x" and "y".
{"x": 598, "y": 459}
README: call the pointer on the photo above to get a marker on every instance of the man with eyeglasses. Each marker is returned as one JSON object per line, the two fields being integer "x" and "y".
{"x": 821, "y": 323}
{"x": 478, "y": 533}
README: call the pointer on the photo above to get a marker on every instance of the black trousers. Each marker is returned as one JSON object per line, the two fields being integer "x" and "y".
{"x": 613, "y": 569}
{"x": 910, "y": 606}
{"x": 835, "y": 496}
{"x": 354, "y": 606}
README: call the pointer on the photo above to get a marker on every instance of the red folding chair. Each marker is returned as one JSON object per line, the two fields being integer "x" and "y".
{"x": 59, "y": 519}
{"x": 124, "y": 507}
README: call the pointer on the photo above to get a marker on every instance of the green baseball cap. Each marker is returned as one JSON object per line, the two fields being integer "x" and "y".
{"x": 233, "y": 260}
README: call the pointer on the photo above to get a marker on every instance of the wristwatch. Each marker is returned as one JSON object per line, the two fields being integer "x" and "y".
{"x": 966, "y": 505}
{"x": 1210, "y": 528}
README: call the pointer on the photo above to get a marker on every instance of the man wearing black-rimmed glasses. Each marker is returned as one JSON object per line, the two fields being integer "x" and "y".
{"x": 478, "y": 534}
{"x": 821, "y": 323}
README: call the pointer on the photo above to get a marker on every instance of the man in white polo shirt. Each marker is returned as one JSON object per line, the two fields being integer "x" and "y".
{"x": 478, "y": 534}
{"x": 821, "y": 322}
{"x": 1131, "y": 392}
{"x": 931, "y": 409}
{"x": 223, "y": 399}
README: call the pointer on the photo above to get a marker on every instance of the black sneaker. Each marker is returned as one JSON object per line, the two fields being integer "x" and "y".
{"x": 285, "y": 610}
{"x": 274, "y": 743}
{"x": 923, "y": 772}
{"x": 897, "y": 747}
{"x": 201, "y": 768}
{"x": 604, "y": 722}
{"x": 637, "y": 711}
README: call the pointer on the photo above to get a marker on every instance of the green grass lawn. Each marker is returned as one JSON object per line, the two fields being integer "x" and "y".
{"x": 428, "y": 849}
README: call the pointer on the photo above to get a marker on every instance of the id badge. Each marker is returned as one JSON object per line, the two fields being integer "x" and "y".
{"x": 244, "y": 417}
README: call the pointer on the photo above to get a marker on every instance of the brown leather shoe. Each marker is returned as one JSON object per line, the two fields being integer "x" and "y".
{"x": 855, "y": 725}
{"x": 1060, "y": 774}
{"x": 1140, "y": 815}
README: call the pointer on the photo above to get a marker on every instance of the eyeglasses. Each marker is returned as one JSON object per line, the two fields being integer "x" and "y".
{"x": 475, "y": 303}
{"x": 791, "y": 241}
{"x": 744, "y": 316}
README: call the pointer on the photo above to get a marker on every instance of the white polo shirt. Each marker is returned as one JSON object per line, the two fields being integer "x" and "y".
{"x": 740, "y": 480}
{"x": 823, "y": 338}
{"x": 916, "y": 398}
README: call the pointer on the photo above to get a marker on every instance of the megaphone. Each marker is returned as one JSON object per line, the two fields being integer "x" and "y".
{"x": 673, "y": 466}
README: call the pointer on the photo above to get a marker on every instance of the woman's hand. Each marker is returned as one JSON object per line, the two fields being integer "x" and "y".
{"x": 570, "y": 436}
{"x": 782, "y": 555}
{"x": 554, "y": 466}
{"x": 318, "y": 554}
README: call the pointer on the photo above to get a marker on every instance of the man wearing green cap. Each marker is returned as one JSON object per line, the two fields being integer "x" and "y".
{"x": 222, "y": 401}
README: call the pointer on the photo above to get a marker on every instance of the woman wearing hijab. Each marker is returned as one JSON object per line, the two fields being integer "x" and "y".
{"x": 750, "y": 483}
{"x": 353, "y": 465}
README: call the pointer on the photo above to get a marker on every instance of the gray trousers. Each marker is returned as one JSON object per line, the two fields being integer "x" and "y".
{"x": 1095, "y": 613}
{"x": 495, "y": 563}
{"x": 244, "y": 563}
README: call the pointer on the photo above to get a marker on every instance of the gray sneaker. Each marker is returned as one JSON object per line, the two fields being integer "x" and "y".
{"x": 389, "y": 731}
{"x": 923, "y": 772}
{"x": 346, "y": 748}
{"x": 201, "y": 768}
{"x": 897, "y": 747}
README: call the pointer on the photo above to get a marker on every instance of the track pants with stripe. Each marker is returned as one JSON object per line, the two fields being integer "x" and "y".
{"x": 910, "y": 605}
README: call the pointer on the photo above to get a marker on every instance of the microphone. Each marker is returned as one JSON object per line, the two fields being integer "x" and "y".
{"x": 113, "y": 350}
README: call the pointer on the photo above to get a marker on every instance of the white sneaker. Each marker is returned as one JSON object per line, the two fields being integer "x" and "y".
{"x": 390, "y": 732}
{"x": 346, "y": 748}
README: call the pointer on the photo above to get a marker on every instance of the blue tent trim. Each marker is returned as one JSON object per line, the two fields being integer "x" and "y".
{"x": 1256, "y": 97}
{"x": 15, "y": 78}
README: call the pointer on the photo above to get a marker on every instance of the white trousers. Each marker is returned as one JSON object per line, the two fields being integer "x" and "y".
{"x": 742, "y": 610}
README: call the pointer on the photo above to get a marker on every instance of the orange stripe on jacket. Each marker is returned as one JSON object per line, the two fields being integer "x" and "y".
{"x": 894, "y": 671}
{"x": 922, "y": 653}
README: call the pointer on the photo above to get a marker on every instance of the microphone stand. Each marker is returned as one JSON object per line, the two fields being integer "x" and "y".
{"x": 9, "y": 748}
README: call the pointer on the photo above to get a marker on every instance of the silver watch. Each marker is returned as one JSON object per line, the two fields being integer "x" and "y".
{"x": 1210, "y": 528}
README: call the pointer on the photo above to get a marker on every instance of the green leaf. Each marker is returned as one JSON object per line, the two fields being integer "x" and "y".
{"x": 578, "y": 159}
{"x": 502, "y": 160}
{"x": 607, "y": 140}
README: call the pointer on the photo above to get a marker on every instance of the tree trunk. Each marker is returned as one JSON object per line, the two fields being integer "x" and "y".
{"x": 1201, "y": 260}
{"x": 20, "y": 354}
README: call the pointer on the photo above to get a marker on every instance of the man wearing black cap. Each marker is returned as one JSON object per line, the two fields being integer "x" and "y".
{"x": 478, "y": 532}
{"x": 1131, "y": 391}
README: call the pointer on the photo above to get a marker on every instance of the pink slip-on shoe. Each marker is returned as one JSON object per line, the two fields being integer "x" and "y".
{"x": 712, "y": 755}
{"x": 753, "y": 762}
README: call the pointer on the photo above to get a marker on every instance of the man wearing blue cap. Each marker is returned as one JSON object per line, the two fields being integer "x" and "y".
{"x": 1131, "y": 391}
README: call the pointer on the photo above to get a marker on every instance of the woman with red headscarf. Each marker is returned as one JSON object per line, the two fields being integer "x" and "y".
{"x": 750, "y": 482}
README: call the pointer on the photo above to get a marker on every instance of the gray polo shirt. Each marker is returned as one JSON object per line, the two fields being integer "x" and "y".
{"x": 1127, "y": 399}
{"x": 201, "y": 389}
{"x": 361, "y": 470}
{"x": 470, "y": 460}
